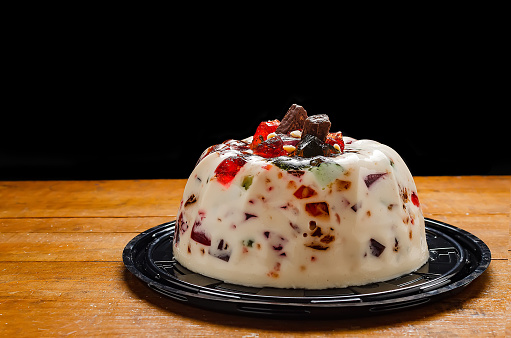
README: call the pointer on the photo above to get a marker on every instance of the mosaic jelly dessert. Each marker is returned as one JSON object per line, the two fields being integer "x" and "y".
{"x": 297, "y": 206}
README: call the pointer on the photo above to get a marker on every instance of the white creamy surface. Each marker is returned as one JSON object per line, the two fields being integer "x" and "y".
{"x": 359, "y": 225}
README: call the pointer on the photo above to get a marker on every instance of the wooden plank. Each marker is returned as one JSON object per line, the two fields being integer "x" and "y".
{"x": 463, "y": 182}
{"x": 464, "y": 202}
{"x": 70, "y": 239}
{"x": 81, "y": 224}
{"x": 72, "y": 247}
{"x": 95, "y": 298}
{"x": 508, "y": 297}
{"x": 464, "y": 195}
{"x": 90, "y": 198}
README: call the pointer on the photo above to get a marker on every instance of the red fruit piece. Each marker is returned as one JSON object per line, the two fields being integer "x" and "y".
{"x": 271, "y": 148}
{"x": 415, "y": 199}
{"x": 335, "y": 138}
{"x": 304, "y": 192}
{"x": 262, "y": 131}
{"x": 228, "y": 168}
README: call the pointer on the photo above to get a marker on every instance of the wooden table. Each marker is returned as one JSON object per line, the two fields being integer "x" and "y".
{"x": 61, "y": 270}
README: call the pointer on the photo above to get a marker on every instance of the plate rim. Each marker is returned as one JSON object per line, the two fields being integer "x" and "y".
{"x": 325, "y": 302}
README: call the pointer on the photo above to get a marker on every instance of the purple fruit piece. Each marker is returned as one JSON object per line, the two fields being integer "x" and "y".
{"x": 200, "y": 237}
{"x": 198, "y": 234}
{"x": 248, "y": 216}
{"x": 221, "y": 250}
{"x": 371, "y": 178}
{"x": 376, "y": 247}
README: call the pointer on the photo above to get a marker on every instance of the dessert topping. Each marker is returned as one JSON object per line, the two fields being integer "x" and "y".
{"x": 289, "y": 148}
{"x": 297, "y": 136}
{"x": 317, "y": 125}
{"x": 270, "y": 135}
{"x": 272, "y": 147}
{"x": 335, "y": 139}
{"x": 293, "y": 120}
{"x": 296, "y": 133}
{"x": 310, "y": 146}
{"x": 263, "y": 130}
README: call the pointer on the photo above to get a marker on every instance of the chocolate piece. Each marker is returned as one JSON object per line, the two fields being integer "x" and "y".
{"x": 309, "y": 146}
{"x": 317, "y": 125}
{"x": 293, "y": 120}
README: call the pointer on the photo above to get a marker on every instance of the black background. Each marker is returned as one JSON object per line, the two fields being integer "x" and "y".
{"x": 127, "y": 107}
{"x": 153, "y": 133}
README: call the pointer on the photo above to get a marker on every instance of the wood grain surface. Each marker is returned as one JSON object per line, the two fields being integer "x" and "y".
{"x": 61, "y": 270}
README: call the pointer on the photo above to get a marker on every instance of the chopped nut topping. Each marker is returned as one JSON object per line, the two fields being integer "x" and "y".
{"x": 296, "y": 133}
{"x": 270, "y": 135}
{"x": 289, "y": 148}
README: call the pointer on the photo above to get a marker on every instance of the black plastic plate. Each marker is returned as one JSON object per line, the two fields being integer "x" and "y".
{"x": 456, "y": 258}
